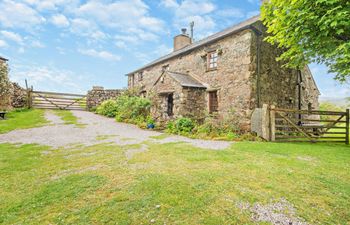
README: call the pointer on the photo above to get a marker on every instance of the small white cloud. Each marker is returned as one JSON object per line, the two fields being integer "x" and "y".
{"x": 12, "y": 36}
{"x": 121, "y": 44}
{"x": 231, "y": 13}
{"x": 21, "y": 50}
{"x": 18, "y": 15}
{"x": 3, "y": 44}
{"x": 169, "y": 3}
{"x": 100, "y": 54}
{"x": 48, "y": 77}
{"x": 60, "y": 20}
{"x": 37, "y": 44}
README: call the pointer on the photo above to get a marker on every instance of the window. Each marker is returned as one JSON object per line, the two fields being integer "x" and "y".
{"x": 131, "y": 80}
{"x": 140, "y": 76}
{"x": 213, "y": 101}
{"x": 170, "y": 108}
{"x": 212, "y": 60}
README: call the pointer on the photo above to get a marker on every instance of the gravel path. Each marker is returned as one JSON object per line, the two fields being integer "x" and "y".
{"x": 98, "y": 129}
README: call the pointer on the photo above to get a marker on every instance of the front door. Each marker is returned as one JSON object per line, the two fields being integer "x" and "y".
{"x": 170, "y": 100}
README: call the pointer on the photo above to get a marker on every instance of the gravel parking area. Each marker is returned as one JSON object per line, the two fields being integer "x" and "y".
{"x": 97, "y": 129}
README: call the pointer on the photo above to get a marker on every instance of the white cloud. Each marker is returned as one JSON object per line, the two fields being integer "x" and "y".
{"x": 199, "y": 11}
{"x": 52, "y": 5}
{"x": 169, "y": 3}
{"x": 120, "y": 14}
{"x": 60, "y": 20}
{"x": 37, "y": 44}
{"x": 231, "y": 13}
{"x": 50, "y": 77}
{"x": 12, "y": 36}
{"x": 18, "y": 15}
{"x": 3, "y": 44}
{"x": 100, "y": 54}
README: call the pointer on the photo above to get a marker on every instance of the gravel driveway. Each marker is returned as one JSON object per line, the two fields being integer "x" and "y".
{"x": 97, "y": 129}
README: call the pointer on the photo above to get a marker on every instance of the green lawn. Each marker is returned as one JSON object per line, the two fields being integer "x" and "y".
{"x": 171, "y": 183}
{"x": 22, "y": 119}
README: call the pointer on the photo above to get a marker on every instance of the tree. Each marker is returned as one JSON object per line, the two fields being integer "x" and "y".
{"x": 5, "y": 87}
{"x": 311, "y": 31}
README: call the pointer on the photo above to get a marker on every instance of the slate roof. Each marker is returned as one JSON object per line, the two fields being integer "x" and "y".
{"x": 2, "y": 58}
{"x": 215, "y": 37}
{"x": 185, "y": 80}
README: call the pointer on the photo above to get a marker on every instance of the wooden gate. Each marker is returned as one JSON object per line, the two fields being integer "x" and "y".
{"x": 288, "y": 125}
{"x": 53, "y": 100}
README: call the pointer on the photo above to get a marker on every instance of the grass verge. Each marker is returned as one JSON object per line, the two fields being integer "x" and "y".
{"x": 22, "y": 119}
{"x": 171, "y": 183}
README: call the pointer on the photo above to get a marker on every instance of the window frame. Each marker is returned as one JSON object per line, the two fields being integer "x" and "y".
{"x": 212, "y": 61}
{"x": 140, "y": 76}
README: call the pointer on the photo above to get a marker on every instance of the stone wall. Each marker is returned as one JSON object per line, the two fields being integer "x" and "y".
{"x": 277, "y": 85}
{"x": 232, "y": 79}
{"x": 98, "y": 94}
{"x": 236, "y": 80}
{"x": 18, "y": 97}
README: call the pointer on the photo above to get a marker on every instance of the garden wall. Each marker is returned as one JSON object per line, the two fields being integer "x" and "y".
{"x": 98, "y": 94}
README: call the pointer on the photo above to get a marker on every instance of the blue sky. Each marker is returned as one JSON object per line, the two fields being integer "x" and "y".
{"x": 71, "y": 45}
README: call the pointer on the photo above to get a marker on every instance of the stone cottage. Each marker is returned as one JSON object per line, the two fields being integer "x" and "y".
{"x": 234, "y": 70}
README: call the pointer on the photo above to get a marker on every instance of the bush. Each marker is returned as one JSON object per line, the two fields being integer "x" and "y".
{"x": 181, "y": 126}
{"x": 108, "y": 108}
{"x": 133, "y": 109}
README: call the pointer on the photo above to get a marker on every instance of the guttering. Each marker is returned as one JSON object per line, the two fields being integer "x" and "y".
{"x": 258, "y": 34}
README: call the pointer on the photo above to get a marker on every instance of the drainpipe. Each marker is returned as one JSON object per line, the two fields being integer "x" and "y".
{"x": 300, "y": 81}
{"x": 258, "y": 34}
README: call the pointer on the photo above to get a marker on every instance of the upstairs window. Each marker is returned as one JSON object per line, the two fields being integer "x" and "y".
{"x": 213, "y": 102}
{"x": 140, "y": 76}
{"x": 131, "y": 80}
{"x": 212, "y": 60}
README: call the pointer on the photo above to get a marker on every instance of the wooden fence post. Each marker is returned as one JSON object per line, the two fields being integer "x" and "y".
{"x": 272, "y": 123}
{"x": 347, "y": 126}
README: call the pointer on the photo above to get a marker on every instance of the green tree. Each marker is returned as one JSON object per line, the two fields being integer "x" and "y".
{"x": 311, "y": 31}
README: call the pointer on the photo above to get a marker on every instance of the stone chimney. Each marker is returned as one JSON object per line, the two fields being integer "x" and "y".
{"x": 182, "y": 40}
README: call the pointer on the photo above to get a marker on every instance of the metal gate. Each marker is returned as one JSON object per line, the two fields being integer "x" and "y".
{"x": 309, "y": 126}
{"x": 53, "y": 100}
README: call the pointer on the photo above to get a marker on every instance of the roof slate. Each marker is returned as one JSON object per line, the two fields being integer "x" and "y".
{"x": 215, "y": 37}
{"x": 185, "y": 80}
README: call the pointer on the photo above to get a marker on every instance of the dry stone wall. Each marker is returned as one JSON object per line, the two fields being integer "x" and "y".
{"x": 18, "y": 97}
{"x": 98, "y": 95}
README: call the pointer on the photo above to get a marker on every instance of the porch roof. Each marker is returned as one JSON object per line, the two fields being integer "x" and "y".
{"x": 185, "y": 80}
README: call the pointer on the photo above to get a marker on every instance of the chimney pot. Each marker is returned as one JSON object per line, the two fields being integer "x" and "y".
{"x": 184, "y": 30}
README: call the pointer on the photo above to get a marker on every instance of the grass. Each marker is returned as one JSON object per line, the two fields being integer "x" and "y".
{"x": 171, "y": 183}
{"x": 68, "y": 117}
{"x": 22, "y": 119}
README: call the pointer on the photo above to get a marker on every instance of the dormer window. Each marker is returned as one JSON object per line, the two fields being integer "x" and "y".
{"x": 212, "y": 60}
{"x": 140, "y": 76}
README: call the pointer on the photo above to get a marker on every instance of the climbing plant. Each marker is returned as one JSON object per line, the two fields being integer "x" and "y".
{"x": 5, "y": 86}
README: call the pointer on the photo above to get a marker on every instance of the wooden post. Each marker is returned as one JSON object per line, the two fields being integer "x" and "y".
{"x": 272, "y": 123}
{"x": 347, "y": 127}
{"x": 28, "y": 95}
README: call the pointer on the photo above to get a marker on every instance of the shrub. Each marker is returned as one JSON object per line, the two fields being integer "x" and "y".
{"x": 132, "y": 109}
{"x": 181, "y": 126}
{"x": 108, "y": 108}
